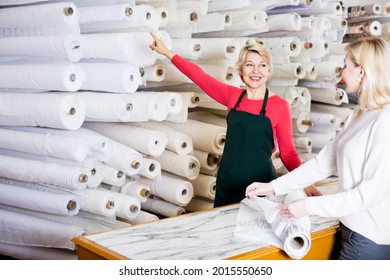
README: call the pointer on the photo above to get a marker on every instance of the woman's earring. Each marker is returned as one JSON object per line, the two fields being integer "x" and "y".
{"x": 359, "y": 80}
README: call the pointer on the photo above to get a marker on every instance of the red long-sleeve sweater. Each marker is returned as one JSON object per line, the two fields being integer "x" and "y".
{"x": 277, "y": 110}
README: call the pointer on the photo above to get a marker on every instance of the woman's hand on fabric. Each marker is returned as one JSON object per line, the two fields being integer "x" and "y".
{"x": 160, "y": 47}
{"x": 312, "y": 191}
{"x": 256, "y": 189}
{"x": 294, "y": 210}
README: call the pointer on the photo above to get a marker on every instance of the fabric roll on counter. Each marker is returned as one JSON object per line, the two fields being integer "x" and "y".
{"x": 136, "y": 189}
{"x": 199, "y": 204}
{"x": 171, "y": 188}
{"x": 143, "y": 140}
{"x": 38, "y": 20}
{"x": 144, "y": 217}
{"x": 22, "y": 252}
{"x": 186, "y": 166}
{"x": 162, "y": 207}
{"x": 66, "y": 47}
{"x": 178, "y": 142}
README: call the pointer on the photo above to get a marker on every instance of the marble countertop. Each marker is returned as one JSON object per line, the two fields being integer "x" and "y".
{"x": 201, "y": 235}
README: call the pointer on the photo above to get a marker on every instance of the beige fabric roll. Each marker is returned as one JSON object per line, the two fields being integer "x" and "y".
{"x": 204, "y": 186}
{"x": 136, "y": 189}
{"x": 143, "y": 217}
{"x": 207, "y": 160}
{"x": 162, "y": 207}
{"x": 151, "y": 169}
{"x": 207, "y": 117}
{"x": 327, "y": 95}
{"x": 301, "y": 123}
{"x": 199, "y": 204}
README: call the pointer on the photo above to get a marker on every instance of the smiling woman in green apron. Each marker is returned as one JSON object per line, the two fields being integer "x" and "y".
{"x": 257, "y": 120}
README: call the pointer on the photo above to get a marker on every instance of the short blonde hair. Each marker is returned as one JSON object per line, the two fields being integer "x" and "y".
{"x": 258, "y": 48}
{"x": 372, "y": 54}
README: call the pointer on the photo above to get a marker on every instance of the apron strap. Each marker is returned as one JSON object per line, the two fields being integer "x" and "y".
{"x": 239, "y": 99}
{"x": 262, "y": 112}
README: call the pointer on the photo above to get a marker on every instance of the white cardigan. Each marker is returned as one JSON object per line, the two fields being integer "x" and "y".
{"x": 360, "y": 157}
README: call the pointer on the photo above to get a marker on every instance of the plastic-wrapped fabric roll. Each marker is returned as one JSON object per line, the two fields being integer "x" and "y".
{"x": 191, "y": 99}
{"x": 322, "y": 118}
{"x": 58, "y": 76}
{"x": 207, "y": 117}
{"x": 186, "y": 166}
{"x": 327, "y": 95}
{"x": 47, "y": 110}
{"x": 224, "y": 73}
{"x": 131, "y": 47}
{"x": 184, "y": 17}
{"x": 151, "y": 169}
{"x": 212, "y": 22}
{"x": 207, "y": 161}
{"x": 304, "y": 98}
{"x": 219, "y": 48}
{"x": 93, "y": 166}
{"x": 172, "y": 100}
{"x": 302, "y": 142}
{"x": 54, "y": 203}
{"x": 23, "y": 229}
{"x": 171, "y": 188}
{"x": 155, "y": 107}
{"x": 139, "y": 190}
{"x": 111, "y": 77}
{"x": 141, "y": 139}
{"x": 290, "y": 46}
{"x": 162, "y": 207}
{"x": 188, "y": 48}
{"x": 21, "y": 252}
{"x": 248, "y": 19}
{"x": 199, "y": 204}
{"x": 127, "y": 207}
{"x": 37, "y": 20}
{"x": 112, "y": 176}
{"x": 205, "y": 137}
{"x": 178, "y": 142}
{"x": 154, "y": 73}
{"x": 328, "y": 71}
{"x": 43, "y": 144}
{"x": 311, "y": 71}
{"x": 290, "y": 22}
{"x": 142, "y": 17}
{"x": 288, "y": 93}
{"x": 301, "y": 123}
{"x": 112, "y": 107}
{"x": 105, "y": 13}
{"x": 288, "y": 71}
{"x": 144, "y": 217}
{"x": 124, "y": 159}
{"x": 55, "y": 46}
{"x": 227, "y": 5}
{"x": 98, "y": 202}
{"x": 181, "y": 115}
{"x": 72, "y": 178}
{"x": 204, "y": 186}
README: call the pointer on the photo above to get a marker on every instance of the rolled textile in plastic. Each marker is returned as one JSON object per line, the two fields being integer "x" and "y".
{"x": 98, "y": 202}
{"x": 43, "y": 144}
{"x": 311, "y": 71}
{"x": 37, "y": 20}
{"x": 212, "y": 22}
{"x": 144, "y": 217}
{"x": 112, "y": 176}
{"x": 58, "y": 76}
{"x": 207, "y": 117}
{"x": 341, "y": 113}
{"x": 143, "y": 140}
{"x": 178, "y": 142}
{"x": 162, "y": 207}
{"x": 322, "y": 118}
{"x": 290, "y": 46}
{"x": 304, "y": 98}
{"x": 47, "y": 110}
{"x": 35, "y": 171}
{"x": 219, "y": 48}
{"x": 151, "y": 169}
{"x": 205, "y": 137}
{"x": 136, "y": 189}
{"x": 131, "y": 47}
{"x": 327, "y": 95}
{"x": 127, "y": 207}
{"x": 291, "y": 22}
{"x": 302, "y": 142}
{"x": 248, "y": 19}
{"x": 181, "y": 115}
{"x": 113, "y": 107}
{"x": 23, "y": 229}
{"x": 199, "y": 204}
{"x": 288, "y": 71}
{"x": 21, "y": 252}
{"x": 188, "y": 48}
{"x": 190, "y": 99}
{"x": 171, "y": 188}
{"x": 111, "y": 77}
{"x": 66, "y": 47}
{"x": 92, "y": 165}
{"x": 124, "y": 159}
{"x": 207, "y": 160}
{"x": 301, "y": 123}
{"x": 184, "y": 17}
{"x": 54, "y": 203}
{"x": 106, "y": 13}
{"x": 329, "y": 71}
{"x": 186, "y": 166}
{"x": 151, "y": 104}
{"x": 153, "y": 73}
{"x": 204, "y": 186}
{"x": 172, "y": 100}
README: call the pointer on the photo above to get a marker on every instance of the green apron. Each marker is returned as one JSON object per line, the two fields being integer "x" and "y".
{"x": 247, "y": 154}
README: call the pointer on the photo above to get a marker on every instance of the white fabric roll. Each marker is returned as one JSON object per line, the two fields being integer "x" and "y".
{"x": 43, "y": 144}
{"x": 288, "y": 71}
{"x": 207, "y": 160}
{"x": 22, "y": 229}
{"x": 192, "y": 99}
{"x": 153, "y": 73}
{"x": 372, "y": 9}
{"x": 37, "y": 20}
{"x": 207, "y": 117}
{"x": 205, "y": 101}
{"x": 186, "y": 166}
{"x": 155, "y": 107}
{"x": 171, "y": 188}
{"x": 139, "y": 190}
{"x": 205, "y": 137}
{"x": 35, "y": 171}
{"x": 288, "y": 93}
{"x": 151, "y": 169}
{"x": 112, "y": 176}
{"x": 48, "y": 110}
{"x": 333, "y": 96}
{"x": 212, "y": 22}
{"x": 219, "y": 48}
{"x": 105, "y": 13}
{"x": 302, "y": 142}
{"x": 319, "y": 140}
{"x": 204, "y": 186}
{"x": 322, "y": 118}
{"x": 54, "y": 203}
{"x": 282, "y": 46}
{"x": 162, "y": 207}
{"x": 301, "y": 123}
{"x": 111, "y": 77}
{"x": 248, "y": 19}
{"x": 178, "y": 142}
{"x": 21, "y": 252}
{"x": 98, "y": 202}
{"x": 171, "y": 100}
{"x": 329, "y": 71}
{"x": 58, "y": 76}
{"x": 187, "y": 48}
{"x": 304, "y": 98}
{"x": 143, "y": 140}
{"x": 144, "y": 217}
{"x": 290, "y": 22}
{"x": 55, "y": 46}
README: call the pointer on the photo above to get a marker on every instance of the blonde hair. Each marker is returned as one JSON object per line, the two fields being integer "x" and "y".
{"x": 372, "y": 54}
{"x": 258, "y": 48}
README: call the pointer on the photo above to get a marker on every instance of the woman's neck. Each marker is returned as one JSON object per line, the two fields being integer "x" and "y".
{"x": 257, "y": 93}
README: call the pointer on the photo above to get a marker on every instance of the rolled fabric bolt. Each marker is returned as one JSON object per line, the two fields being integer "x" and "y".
{"x": 151, "y": 169}
{"x": 301, "y": 123}
{"x": 136, "y": 189}
{"x": 98, "y": 202}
